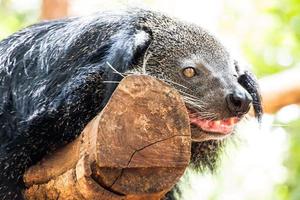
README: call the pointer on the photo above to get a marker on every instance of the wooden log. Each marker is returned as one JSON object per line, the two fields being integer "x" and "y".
{"x": 136, "y": 148}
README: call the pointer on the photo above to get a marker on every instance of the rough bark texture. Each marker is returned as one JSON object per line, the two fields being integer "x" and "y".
{"x": 136, "y": 148}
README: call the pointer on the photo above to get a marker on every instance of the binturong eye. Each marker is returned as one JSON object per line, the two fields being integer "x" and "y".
{"x": 189, "y": 72}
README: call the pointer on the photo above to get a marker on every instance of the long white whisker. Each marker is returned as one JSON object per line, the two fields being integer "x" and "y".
{"x": 197, "y": 101}
{"x": 146, "y": 58}
{"x": 111, "y": 81}
{"x": 200, "y": 107}
{"x": 116, "y": 71}
{"x": 188, "y": 94}
{"x": 167, "y": 80}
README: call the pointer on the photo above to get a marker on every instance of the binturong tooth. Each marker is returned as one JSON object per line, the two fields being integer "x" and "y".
{"x": 231, "y": 121}
{"x": 217, "y": 123}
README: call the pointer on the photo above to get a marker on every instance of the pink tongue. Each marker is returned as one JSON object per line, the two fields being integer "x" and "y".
{"x": 222, "y": 126}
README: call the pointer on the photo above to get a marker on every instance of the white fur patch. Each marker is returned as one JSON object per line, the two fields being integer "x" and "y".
{"x": 141, "y": 38}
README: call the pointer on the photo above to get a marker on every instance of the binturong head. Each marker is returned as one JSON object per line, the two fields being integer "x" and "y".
{"x": 217, "y": 93}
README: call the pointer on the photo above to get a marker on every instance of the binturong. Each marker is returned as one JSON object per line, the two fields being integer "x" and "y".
{"x": 55, "y": 76}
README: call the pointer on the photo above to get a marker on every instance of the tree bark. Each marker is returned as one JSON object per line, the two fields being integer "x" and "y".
{"x": 136, "y": 148}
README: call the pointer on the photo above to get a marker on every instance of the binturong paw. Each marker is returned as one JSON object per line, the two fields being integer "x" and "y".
{"x": 249, "y": 82}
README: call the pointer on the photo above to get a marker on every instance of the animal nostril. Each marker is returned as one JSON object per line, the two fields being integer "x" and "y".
{"x": 235, "y": 100}
{"x": 238, "y": 102}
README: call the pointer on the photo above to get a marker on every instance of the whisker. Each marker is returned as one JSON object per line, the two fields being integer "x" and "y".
{"x": 196, "y": 101}
{"x": 192, "y": 97}
{"x": 116, "y": 71}
{"x": 146, "y": 58}
{"x": 180, "y": 85}
{"x": 188, "y": 96}
{"x": 201, "y": 112}
{"x": 110, "y": 81}
{"x": 193, "y": 104}
{"x": 208, "y": 114}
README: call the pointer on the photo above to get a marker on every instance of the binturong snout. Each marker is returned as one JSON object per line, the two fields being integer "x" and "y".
{"x": 238, "y": 102}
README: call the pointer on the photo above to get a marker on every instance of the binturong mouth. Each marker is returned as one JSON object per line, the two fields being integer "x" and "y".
{"x": 205, "y": 129}
{"x": 224, "y": 126}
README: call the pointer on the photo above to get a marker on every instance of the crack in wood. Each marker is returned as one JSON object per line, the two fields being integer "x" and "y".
{"x": 140, "y": 149}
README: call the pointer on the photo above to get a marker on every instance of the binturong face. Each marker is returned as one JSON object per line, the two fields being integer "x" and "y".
{"x": 217, "y": 93}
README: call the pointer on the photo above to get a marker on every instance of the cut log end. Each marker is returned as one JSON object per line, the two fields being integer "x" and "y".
{"x": 136, "y": 148}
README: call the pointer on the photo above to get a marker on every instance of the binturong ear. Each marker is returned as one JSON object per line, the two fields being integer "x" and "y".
{"x": 121, "y": 52}
{"x": 123, "y": 49}
{"x": 248, "y": 81}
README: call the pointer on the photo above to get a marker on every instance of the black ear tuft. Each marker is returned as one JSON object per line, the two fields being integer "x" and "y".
{"x": 143, "y": 39}
{"x": 249, "y": 82}
{"x": 127, "y": 47}
{"x": 121, "y": 51}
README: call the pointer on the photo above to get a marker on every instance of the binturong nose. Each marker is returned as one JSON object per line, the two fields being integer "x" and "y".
{"x": 238, "y": 102}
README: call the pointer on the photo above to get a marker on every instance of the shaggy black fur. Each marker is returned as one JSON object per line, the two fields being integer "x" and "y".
{"x": 50, "y": 92}
{"x": 51, "y": 83}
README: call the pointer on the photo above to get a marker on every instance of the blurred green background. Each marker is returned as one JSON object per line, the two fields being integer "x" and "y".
{"x": 265, "y": 165}
{"x": 14, "y": 16}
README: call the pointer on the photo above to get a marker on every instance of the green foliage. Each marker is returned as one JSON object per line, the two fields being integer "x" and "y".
{"x": 290, "y": 190}
{"x": 277, "y": 50}
{"x": 279, "y": 45}
{"x": 12, "y": 18}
